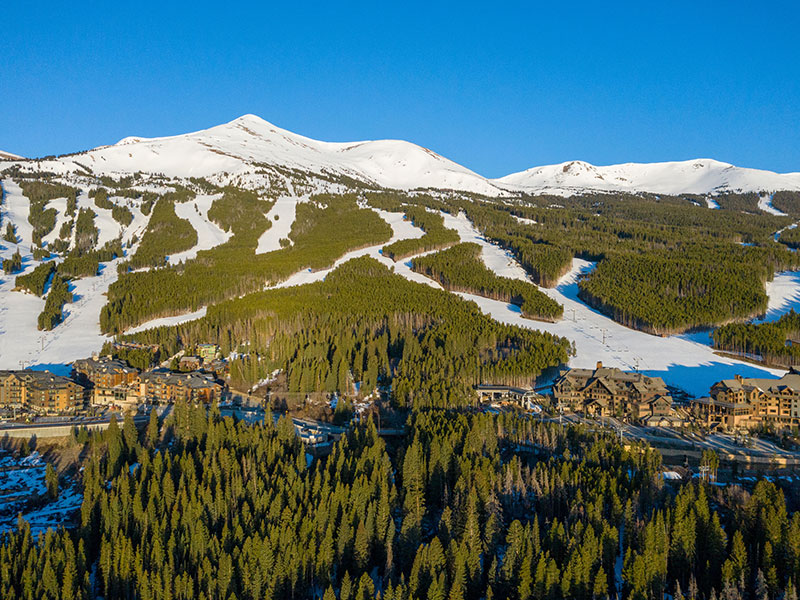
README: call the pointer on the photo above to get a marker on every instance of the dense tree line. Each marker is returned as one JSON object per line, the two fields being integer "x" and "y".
{"x": 461, "y": 269}
{"x": 86, "y": 232}
{"x": 10, "y": 234}
{"x": 466, "y": 506}
{"x": 79, "y": 264}
{"x": 436, "y": 237}
{"x": 101, "y": 199}
{"x": 56, "y": 298}
{"x": 166, "y": 234}
{"x": 789, "y": 237}
{"x": 669, "y": 292}
{"x": 772, "y": 341}
{"x": 679, "y": 255}
{"x": 743, "y": 202}
{"x": 787, "y": 201}
{"x": 324, "y": 229}
{"x": 365, "y": 324}
{"x": 36, "y": 281}
{"x": 13, "y": 264}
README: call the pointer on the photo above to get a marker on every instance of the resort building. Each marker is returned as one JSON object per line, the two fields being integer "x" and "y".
{"x": 610, "y": 392}
{"x": 40, "y": 391}
{"x": 741, "y": 403}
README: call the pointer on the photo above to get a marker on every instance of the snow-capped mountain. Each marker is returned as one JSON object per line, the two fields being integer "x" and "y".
{"x": 236, "y": 151}
{"x": 244, "y": 144}
{"x": 700, "y": 176}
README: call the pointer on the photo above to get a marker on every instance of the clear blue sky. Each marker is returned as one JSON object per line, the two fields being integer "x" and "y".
{"x": 498, "y": 87}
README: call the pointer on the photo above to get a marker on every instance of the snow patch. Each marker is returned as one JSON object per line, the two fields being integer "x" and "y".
{"x": 765, "y": 204}
{"x": 209, "y": 234}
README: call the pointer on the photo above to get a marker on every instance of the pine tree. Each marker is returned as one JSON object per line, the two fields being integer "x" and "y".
{"x": 51, "y": 481}
{"x": 152, "y": 429}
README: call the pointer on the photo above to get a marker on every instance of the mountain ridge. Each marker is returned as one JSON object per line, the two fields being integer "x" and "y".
{"x": 241, "y": 146}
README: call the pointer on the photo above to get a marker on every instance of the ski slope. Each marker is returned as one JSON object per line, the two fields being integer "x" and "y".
{"x": 681, "y": 360}
{"x": 15, "y": 209}
{"x": 281, "y": 217}
{"x": 209, "y": 234}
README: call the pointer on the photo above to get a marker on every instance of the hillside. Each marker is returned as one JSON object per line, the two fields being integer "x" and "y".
{"x": 251, "y": 151}
{"x": 160, "y": 231}
{"x": 699, "y": 176}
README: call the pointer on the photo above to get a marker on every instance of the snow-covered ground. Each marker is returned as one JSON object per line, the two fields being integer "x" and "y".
{"x": 401, "y": 230}
{"x": 281, "y": 217}
{"x": 23, "y": 480}
{"x": 108, "y": 229}
{"x": 784, "y": 294}
{"x": 698, "y": 176}
{"x": 165, "y": 321}
{"x": 137, "y": 226}
{"x": 209, "y": 234}
{"x": 711, "y": 203}
{"x": 681, "y": 360}
{"x": 239, "y": 150}
{"x": 765, "y": 204}
{"x": 16, "y": 209}
{"x": 76, "y": 337}
{"x": 524, "y": 220}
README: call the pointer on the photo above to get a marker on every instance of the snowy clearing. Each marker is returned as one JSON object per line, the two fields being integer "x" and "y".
{"x": 281, "y": 217}
{"x": 784, "y": 295}
{"x": 209, "y": 234}
{"x": 22, "y": 481}
{"x": 681, "y": 360}
{"x": 76, "y": 337}
{"x": 16, "y": 209}
{"x": 711, "y": 203}
{"x": 107, "y": 227}
{"x": 401, "y": 229}
{"x": 167, "y": 321}
{"x": 765, "y": 204}
{"x": 525, "y": 221}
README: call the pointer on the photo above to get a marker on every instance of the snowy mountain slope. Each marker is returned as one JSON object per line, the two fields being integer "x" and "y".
{"x": 241, "y": 146}
{"x": 9, "y": 156}
{"x": 237, "y": 152}
{"x": 701, "y": 176}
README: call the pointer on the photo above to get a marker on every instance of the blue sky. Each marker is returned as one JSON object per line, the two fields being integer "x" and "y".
{"x": 498, "y": 87}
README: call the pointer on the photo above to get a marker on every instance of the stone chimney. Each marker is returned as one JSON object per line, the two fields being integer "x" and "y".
{"x": 599, "y": 364}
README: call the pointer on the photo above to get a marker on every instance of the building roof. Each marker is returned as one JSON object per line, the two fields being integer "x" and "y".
{"x": 193, "y": 380}
{"x": 103, "y": 364}
{"x": 45, "y": 380}
{"x": 789, "y": 382}
{"x": 614, "y": 379}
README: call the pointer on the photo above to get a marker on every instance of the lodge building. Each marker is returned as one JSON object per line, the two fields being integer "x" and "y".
{"x": 40, "y": 392}
{"x": 611, "y": 392}
{"x": 741, "y": 403}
